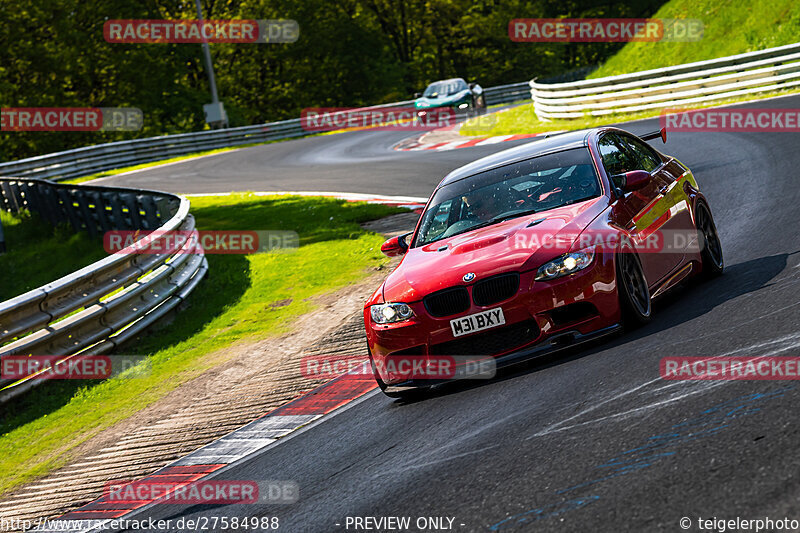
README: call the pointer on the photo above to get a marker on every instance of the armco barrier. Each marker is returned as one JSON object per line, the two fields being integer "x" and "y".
{"x": 504, "y": 94}
{"x": 516, "y": 92}
{"x": 101, "y": 157}
{"x": 100, "y": 306}
{"x": 108, "y": 156}
{"x": 691, "y": 83}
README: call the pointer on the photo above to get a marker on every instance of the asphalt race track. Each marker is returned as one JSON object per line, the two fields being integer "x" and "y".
{"x": 588, "y": 441}
{"x": 346, "y": 162}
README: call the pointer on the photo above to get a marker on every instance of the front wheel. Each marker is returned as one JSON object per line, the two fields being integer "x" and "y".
{"x": 634, "y": 295}
{"x": 409, "y": 394}
{"x": 711, "y": 248}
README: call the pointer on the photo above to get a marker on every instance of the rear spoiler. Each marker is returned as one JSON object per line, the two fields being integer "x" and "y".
{"x": 655, "y": 135}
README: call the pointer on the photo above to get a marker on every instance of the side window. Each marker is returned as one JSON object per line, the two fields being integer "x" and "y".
{"x": 648, "y": 159}
{"x": 616, "y": 160}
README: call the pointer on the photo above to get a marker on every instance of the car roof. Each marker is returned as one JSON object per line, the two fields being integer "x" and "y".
{"x": 446, "y": 81}
{"x": 556, "y": 143}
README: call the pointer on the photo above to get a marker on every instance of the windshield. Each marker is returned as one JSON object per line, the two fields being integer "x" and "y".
{"x": 530, "y": 186}
{"x": 444, "y": 88}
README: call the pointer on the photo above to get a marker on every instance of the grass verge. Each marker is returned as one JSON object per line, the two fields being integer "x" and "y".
{"x": 38, "y": 253}
{"x": 730, "y": 27}
{"x": 38, "y": 430}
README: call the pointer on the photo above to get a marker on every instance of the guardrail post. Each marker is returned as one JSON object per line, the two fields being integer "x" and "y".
{"x": 2, "y": 239}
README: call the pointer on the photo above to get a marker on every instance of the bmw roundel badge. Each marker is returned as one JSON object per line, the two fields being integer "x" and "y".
{"x": 469, "y": 276}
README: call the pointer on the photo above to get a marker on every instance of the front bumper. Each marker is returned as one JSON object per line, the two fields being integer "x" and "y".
{"x": 556, "y": 343}
{"x": 454, "y": 105}
{"x": 537, "y": 316}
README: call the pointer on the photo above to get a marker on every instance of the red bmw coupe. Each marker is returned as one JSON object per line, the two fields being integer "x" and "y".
{"x": 537, "y": 248}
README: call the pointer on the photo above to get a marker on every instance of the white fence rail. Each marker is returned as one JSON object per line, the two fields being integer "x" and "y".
{"x": 691, "y": 83}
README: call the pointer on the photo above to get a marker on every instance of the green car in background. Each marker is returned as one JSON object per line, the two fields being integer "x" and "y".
{"x": 454, "y": 93}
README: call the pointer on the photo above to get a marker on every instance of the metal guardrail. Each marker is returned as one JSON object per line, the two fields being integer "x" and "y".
{"x": 100, "y": 306}
{"x": 102, "y": 157}
{"x": 98, "y": 158}
{"x": 515, "y": 92}
{"x": 505, "y": 94}
{"x": 691, "y": 83}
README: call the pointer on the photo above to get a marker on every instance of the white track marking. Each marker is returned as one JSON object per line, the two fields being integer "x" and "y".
{"x": 365, "y": 197}
{"x": 789, "y": 342}
{"x": 246, "y": 440}
{"x": 495, "y": 140}
{"x": 452, "y": 144}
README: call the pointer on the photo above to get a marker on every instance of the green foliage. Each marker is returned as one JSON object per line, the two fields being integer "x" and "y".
{"x": 350, "y": 52}
{"x": 730, "y": 27}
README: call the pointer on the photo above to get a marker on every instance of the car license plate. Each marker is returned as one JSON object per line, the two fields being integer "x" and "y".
{"x": 477, "y": 322}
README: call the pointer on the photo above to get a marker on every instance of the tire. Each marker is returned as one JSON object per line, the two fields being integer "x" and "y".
{"x": 634, "y": 295}
{"x": 711, "y": 248}
{"x": 377, "y": 377}
{"x": 481, "y": 104}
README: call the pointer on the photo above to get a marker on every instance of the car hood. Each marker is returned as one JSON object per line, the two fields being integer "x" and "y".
{"x": 516, "y": 245}
{"x": 424, "y": 102}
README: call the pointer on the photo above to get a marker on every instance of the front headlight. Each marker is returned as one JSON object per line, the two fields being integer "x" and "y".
{"x": 565, "y": 265}
{"x": 390, "y": 313}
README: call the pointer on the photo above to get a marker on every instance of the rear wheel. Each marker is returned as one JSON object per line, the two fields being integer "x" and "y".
{"x": 711, "y": 248}
{"x": 634, "y": 295}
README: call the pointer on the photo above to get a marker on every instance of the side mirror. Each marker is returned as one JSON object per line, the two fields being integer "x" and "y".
{"x": 417, "y": 95}
{"x": 472, "y": 86}
{"x": 395, "y": 246}
{"x": 634, "y": 180}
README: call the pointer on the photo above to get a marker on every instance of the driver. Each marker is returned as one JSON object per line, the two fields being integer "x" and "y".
{"x": 485, "y": 205}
